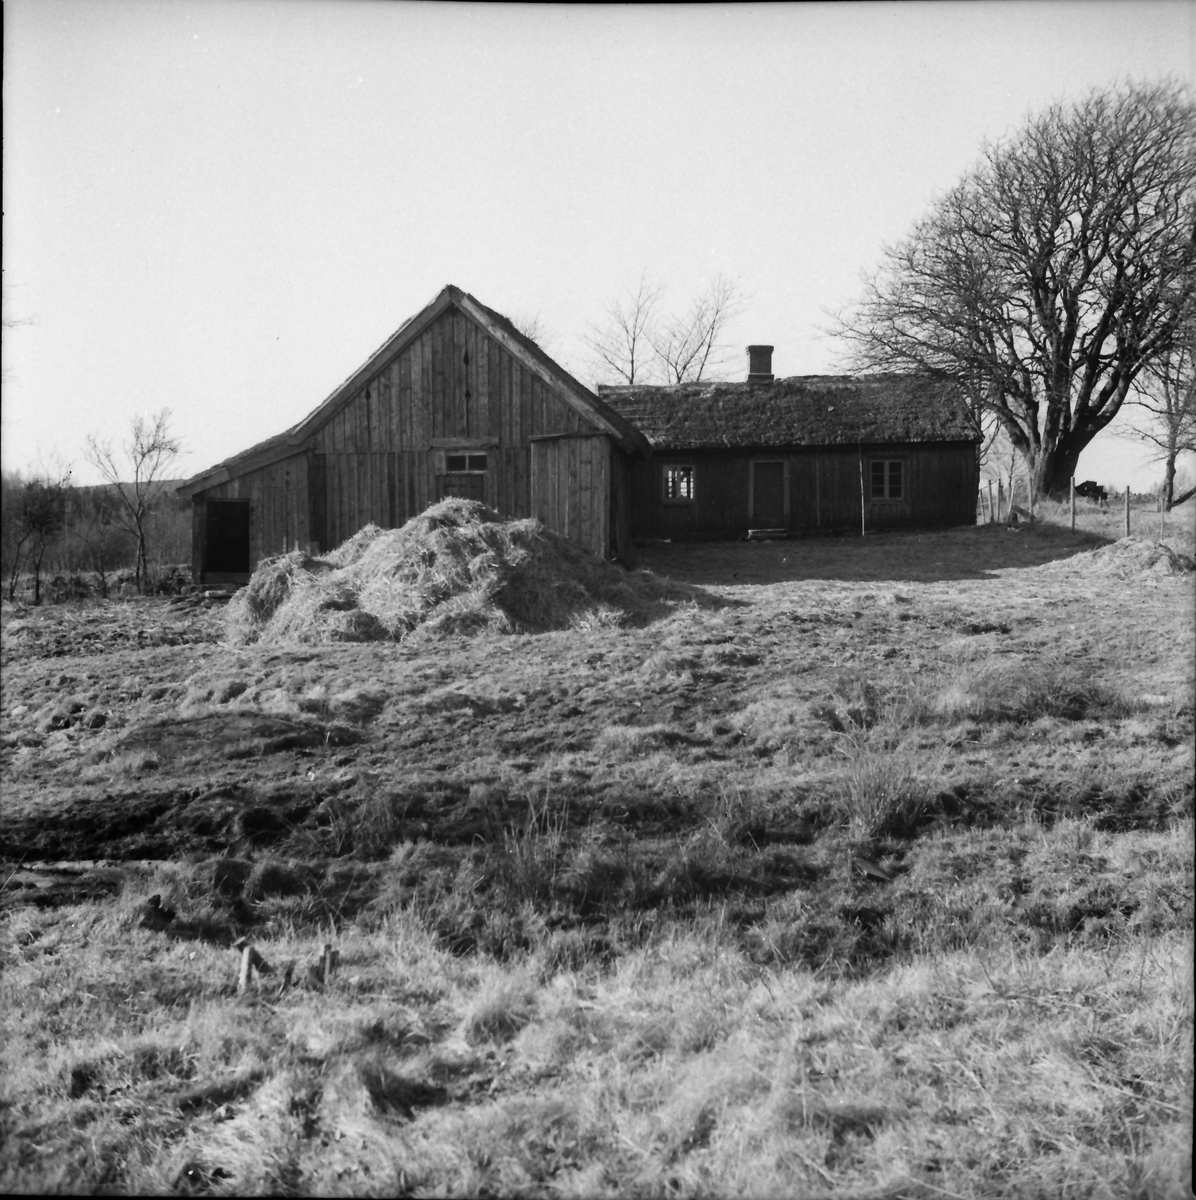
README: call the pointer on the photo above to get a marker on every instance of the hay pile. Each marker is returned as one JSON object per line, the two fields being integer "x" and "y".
{"x": 1128, "y": 558}
{"x": 457, "y": 568}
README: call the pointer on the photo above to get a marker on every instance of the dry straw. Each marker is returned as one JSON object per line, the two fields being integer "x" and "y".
{"x": 457, "y": 568}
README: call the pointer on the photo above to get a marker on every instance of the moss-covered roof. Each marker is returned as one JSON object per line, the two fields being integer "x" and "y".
{"x": 806, "y": 410}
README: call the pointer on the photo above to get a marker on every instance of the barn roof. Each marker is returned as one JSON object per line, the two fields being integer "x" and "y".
{"x": 293, "y": 440}
{"x": 806, "y": 410}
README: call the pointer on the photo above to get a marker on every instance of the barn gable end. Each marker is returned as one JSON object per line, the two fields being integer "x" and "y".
{"x": 451, "y": 404}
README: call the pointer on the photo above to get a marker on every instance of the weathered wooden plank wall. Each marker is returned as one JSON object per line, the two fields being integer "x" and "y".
{"x": 569, "y": 481}
{"x": 279, "y": 513}
{"x": 824, "y": 489}
{"x": 453, "y": 381}
{"x": 377, "y": 458}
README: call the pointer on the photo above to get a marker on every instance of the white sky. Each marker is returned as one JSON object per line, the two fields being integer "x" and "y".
{"x": 224, "y": 206}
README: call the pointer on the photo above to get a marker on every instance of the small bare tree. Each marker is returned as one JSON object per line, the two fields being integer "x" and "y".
{"x": 1168, "y": 404}
{"x": 149, "y": 452}
{"x": 622, "y": 344}
{"x": 39, "y": 516}
{"x": 532, "y": 326}
{"x": 690, "y": 346}
{"x": 92, "y": 521}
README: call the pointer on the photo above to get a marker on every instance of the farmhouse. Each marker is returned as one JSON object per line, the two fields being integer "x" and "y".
{"x": 457, "y": 402}
{"x": 806, "y": 454}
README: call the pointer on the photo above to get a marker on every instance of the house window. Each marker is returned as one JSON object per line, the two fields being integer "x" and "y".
{"x": 888, "y": 479}
{"x": 678, "y": 485}
{"x": 460, "y": 464}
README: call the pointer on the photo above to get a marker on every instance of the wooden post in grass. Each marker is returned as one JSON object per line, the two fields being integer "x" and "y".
{"x": 327, "y": 962}
{"x": 246, "y": 965}
{"x": 1127, "y": 510}
{"x": 861, "y": 491}
{"x": 1073, "y": 502}
{"x": 251, "y": 961}
{"x": 1000, "y": 497}
{"x": 991, "y": 518}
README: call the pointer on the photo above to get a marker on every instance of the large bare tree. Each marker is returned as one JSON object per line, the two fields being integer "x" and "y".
{"x": 148, "y": 454}
{"x": 1052, "y": 275}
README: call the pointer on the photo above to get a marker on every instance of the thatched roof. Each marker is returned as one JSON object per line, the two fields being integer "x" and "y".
{"x": 806, "y": 410}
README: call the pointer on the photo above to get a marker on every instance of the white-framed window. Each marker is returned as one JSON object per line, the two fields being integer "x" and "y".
{"x": 678, "y": 483}
{"x": 888, "y": 479}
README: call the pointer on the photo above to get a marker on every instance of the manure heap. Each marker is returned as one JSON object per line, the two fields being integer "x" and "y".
{"x": 1128, "y": 558}
{"x": 457, "y": 568}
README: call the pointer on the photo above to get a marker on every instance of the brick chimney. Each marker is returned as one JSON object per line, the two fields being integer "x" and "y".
{"x": 759, "y": 364}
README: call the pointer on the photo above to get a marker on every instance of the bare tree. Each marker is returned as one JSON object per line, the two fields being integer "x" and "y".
{"x": 1167, "y": 401}
{"x": 1052, "y": 275}
{"x": 91, "y": 517}
{"x": 148, "y": 453}
{"x": 622, "y": 343}
{"x": 690, "y": 346}
{"x": 999, "y": 458}
{"x": 532, "y": 326}
{"x": 38, "y": 515}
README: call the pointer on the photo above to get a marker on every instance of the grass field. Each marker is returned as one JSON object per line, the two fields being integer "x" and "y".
{"x": 864, "y": 868}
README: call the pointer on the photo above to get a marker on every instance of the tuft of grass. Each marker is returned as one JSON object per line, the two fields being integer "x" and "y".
{"x": 889, "y": 784}
{"x": 994, "y": 691}
{"x": 504, "y": 1003}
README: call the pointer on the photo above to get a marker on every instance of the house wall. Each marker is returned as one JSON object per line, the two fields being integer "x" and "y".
{"x": 823, "y": 489}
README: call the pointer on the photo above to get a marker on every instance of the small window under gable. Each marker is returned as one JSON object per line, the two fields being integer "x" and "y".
{"x": 679, "y": 484}
{"x": 888, "y": 479}
{"x": 460, "y": 464}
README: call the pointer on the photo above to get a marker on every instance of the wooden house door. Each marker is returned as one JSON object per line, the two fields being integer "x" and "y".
{"x": 768, "y": 495}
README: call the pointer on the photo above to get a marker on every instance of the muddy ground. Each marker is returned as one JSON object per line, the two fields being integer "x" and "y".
{"x": 132, "y": 732}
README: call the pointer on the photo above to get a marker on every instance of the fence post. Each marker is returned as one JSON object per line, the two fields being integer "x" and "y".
{"x": 1127, "y": 510}
{"x": 1162, "y": 513}
{"x": 1073, "y": 503}
{"x": 990, "y": 502}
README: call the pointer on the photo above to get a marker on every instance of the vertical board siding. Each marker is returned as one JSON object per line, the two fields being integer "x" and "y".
{"x": 373, "y": 461}
{"x": 824, "y": 490}
{"x": 564, "y": 471}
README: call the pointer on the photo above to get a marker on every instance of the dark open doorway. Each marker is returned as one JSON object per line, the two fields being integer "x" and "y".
{"x": 226, "y": 542}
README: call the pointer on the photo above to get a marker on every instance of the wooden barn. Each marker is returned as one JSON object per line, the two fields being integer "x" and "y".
{"x": 456, "y": 403}
{"x": 801, "y": 455}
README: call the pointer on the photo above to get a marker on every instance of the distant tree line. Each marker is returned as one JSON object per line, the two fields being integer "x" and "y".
{"x": 86, "y": 538}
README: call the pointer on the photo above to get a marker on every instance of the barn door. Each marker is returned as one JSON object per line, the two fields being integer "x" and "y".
{"x": 226, "y": 549}
{"x": 768, "y": 495}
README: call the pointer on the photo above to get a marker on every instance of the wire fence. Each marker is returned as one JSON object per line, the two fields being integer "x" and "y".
{"x": 1012, "y": 501}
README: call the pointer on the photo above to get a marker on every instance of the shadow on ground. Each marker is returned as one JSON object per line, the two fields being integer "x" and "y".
{"x": 967, "y": 552}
